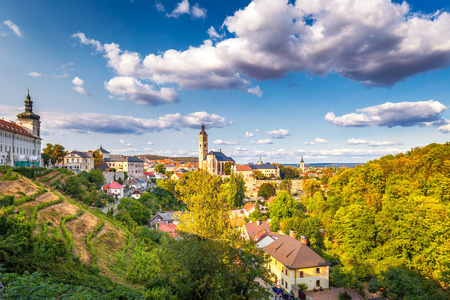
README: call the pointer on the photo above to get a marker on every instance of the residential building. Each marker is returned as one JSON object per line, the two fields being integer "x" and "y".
{"x": 20, "y": 143}
{"x": 265, "y": 238}
{"x": 78, "y": 161}
{"x": 114, "y": 189}
{"x": 154, "y": 175}
{"x": 103, "y": 152}
{"x": 136, "y": 195}
{"x": 132, "y": 165}
{"x": 135, "y": 183}
{"x": 248, "y": 171}
{"x": 251, "y": 229}
{"x": 170, "y": 229}
{"x": 212, "y": 161}
{"x": 166, "y": 218}
{"x": 293, "y": 262}
{"x": 245, "y": 171}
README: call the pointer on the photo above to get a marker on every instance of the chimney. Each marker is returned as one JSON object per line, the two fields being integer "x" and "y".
{"x": 259, "y": 222}
{"x": 304, "y": 240}
{"x": 292, "y": 234}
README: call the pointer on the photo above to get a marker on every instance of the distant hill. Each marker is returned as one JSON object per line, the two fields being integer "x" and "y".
{"x": 187, "y": 159}
{"x": 323, "y": 165}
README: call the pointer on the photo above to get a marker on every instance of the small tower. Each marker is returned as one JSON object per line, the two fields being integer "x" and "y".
{"x": 203, "y": 146}
{"x": 28, "y": 119}
{"x": 302, "y": 165}
{"x": 260, "y": 162}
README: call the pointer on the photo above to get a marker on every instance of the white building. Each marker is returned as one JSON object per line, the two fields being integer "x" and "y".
{"x": 20, "y": 143}
{"x": 132, "y": 165}
{"x": 78, "y": 161}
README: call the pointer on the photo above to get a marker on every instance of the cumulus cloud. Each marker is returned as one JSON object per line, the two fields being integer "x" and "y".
{"x": 255, "y": 91}
{"x": 220, "y": 142}
{"x": 149, "y": 143}
{"x": 353, "y": 141}
{"x": 213, "y": 33}
{"x": 278, "y": 134}
{"x": 124, "y": 143}
{"x": 78, "y": 85}
{"x": 34, "y": 74}
{"x": 317, "y": 141}
{"x": 249, "y": 134}
{"x": 13, "y": 27}
{"x": 132, "y": 89}
{"x": 160, "y": 7}
{"x": 376, "y": 43}
{"x": 262, "y": 142}
{"x": 115, "y": 124}
{"x": 182, "y": 8}
{"x": 421, "y": 113}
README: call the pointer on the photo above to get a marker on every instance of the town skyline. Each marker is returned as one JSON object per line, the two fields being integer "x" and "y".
{"x": 141, "y": 77}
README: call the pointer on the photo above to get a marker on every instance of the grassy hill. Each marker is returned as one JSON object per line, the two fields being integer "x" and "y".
{"x": 89, "y": 237}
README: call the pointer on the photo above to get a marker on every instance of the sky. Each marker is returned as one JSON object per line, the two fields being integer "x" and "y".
{"x": 332, "y": 80}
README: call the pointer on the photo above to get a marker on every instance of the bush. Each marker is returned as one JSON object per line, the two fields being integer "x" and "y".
{"x": 344, "y": 296}
{"x": 7, "y": 200}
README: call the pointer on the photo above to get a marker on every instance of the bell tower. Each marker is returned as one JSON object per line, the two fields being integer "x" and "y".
{"x": 302, "y": 165}
{"x": 28, "y": 119}
{"x": 203, "y": 146}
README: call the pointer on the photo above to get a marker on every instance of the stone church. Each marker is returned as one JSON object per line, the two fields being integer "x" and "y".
{"x": 213, "y": 161}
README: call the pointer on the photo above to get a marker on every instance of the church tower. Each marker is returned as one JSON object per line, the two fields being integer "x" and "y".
{"x": 203, "y": 146}
{"x": 302, "y": 165}
{"x": 28, "y": 119}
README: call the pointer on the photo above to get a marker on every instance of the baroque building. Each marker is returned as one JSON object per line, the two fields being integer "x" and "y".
{"x": 212, "y": 161}
{"x": 20, "y": 142}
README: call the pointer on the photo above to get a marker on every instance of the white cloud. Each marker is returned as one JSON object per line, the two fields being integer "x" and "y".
{"x": 124, "y": 143}
{"x": 220, "y": 142}
{"x": 64, "y": 75}
{"x": 353, "y": 141}
{"x": 255, "y": 91}
{"x": 78, "y": 81}
{"x": 213, "y": 33}
{"x": 278, "y": 134}
{"x": 115, "y": 124}
{"x": 160, "y": 7}
{"x": 149, "y": 143}
{"x": 262, "y": 142}
{"x": 256, "y": 130}
{"x": 181, "y": 8}
{"x": 78, "y": 86}
{"x": 84, "y": 40}
{"x": 317, "y": 141}
{"x": 198, "y": 12}
{"x": 132, "y": 89}
{"x": 13, "y": 27}
{"x": 249, "y": 134}
{"x": 421, "y": 113}
{"x": 34, "y": 74}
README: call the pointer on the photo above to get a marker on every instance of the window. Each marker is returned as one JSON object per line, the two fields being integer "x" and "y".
{"x": 275, "y": 262}
{"x": 318, "y": 283}
{"x": 286, "y": 272}
{"x": 282, "y": 269}
{"x": 286, "y": 285}
{"x": 301, "y": 275}
{"x": 282, "y": 281}
{"x": 317, "y": 270}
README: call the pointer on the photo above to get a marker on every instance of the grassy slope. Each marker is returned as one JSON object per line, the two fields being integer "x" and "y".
{"x": 110, "y": 249}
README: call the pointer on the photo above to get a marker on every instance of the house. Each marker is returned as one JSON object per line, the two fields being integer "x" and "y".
{"x": 245, "y": 171}
{"x": 78, "y": 161}
{"x": 249, "y": 208}
{"x": 292, "y": 262}
{"x": 166, "y": 218}
{"x": 105, "y": 154}
{"x": 154, "y": 175}
{"x": 169, "y": 229}
{"x": 170, "y": 168}
{"x": 136, "y": 194}
{"x": 130, "y": 164}
{"x": 176, "y": 176}
{"x": 265, "y": 238}
{"x": 115, "y": 189}
{"x": 135, "y": 183}
{"x": 251, "y": 229}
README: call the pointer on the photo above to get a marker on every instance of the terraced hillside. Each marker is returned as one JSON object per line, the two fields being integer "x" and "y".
{"x": 90, "y": 235}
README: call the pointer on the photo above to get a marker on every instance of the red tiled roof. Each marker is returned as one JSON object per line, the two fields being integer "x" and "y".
{"x": 254, "y": 228}
{"x": 14, "y": 128}
{"x": 293, "y": 254}
{"x": 169, "y": 228}
{"x": 263, "y": 234}
{"x": 249, "y": 206}
{"x": 115, "y": 185}
{"x": 243, "y": 168}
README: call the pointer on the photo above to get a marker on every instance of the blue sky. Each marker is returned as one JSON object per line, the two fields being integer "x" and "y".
{"x": 333, "y": 80}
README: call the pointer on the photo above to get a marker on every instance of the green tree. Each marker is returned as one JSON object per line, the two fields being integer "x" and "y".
{"x": 138, "y": 212}
{"x": 56, "y": 152}
{"x": 73, "y": 186}
{"x": 267, "y": 190}
{"x": 310, "y": 186}
{"x": 96, "y": 177}
{"x": 45, "y": 158}
{"x": 160, "y": 168}
{"x": 235, "y": 191}
{"x": 227, "y": 168}
{"x": 98, "y": 158}
{"x": 286, "y": 185}
{"x": 283, "y": 207}
{"x": 259, "y": 175}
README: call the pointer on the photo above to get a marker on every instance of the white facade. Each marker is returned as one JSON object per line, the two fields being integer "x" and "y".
{"x": 78, "y": 161}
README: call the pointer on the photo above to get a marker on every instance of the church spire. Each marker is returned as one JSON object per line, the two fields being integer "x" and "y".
{"x": 203, "y": 129}
{"x": 28, "y": 103}
{"x": 302, "y": 159}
